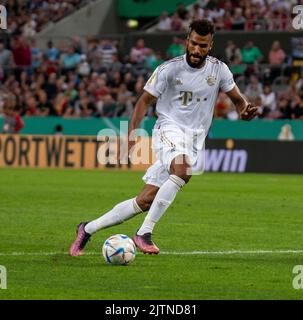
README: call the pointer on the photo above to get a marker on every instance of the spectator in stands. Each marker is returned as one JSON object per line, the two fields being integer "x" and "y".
{"x": 60, "y": 104}
{"x": 251, "y": 54}
{"x": 76, "y": 43}
{"x": 29, "y": 28}
{"x": 232, "y": 52}
{"x": 107, "y": 48}
{"x": 124, "y": 107}
{"x": 116, "y": 65}
{"x": 297, "y": 107}
{"x": 276, "y": 55}
{"x": 36, "y": 55}
{"x": 181, "y": 11}
{"x": 52, "y": 52}
{"x": 94, "y": 55}
{"x": 85, "y": 106}
{"x": 254, "y": 88}
{"x": 31, "y": 106}
{"x": 108, "y": 107}
{"x": 227, "y": 21}
{"x": 12, "y": 122}
{"x": 222, "y": 106}
{"x": 164, "y": 23}
{"x": 129, "y": 81}
{"x": 176, "y": 23}
{"x": 21, "y": 52}
{"x": 45, "y": 108}
{"x": 71, "y": 93}
{"x": 123, "y": 91}
{"x": 51, "y": 87}
{"x": 207, "y": 14}
{"x": 158, "y": 61}
{"x": 196, "y": 12}
{"x": 284, "y": 108}
{"x": 268, "y": 100}
{"x": 70, "y": 59}
{"x": 83, "y": 67}
{"x": 114, "y": 83}
{"x": 249, "y": 18}
{"x": 139, "y": 52}
{"x": 138, "y": 56}
{"x": 238, "y": 20}
{"x": 237, "y": 67}
{"x": 6, "y": 59}
{"x": 176, "y": 48}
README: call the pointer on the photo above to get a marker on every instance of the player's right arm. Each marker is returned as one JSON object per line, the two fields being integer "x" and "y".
{"x": 139, "y": 112}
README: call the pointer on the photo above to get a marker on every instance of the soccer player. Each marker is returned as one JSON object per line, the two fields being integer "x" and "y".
{"x": 185, "y": 89}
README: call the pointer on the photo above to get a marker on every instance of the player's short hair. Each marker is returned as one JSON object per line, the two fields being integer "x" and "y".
{"x": 202, "y": 26}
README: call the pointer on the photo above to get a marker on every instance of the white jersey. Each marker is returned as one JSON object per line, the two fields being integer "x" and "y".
{"x": 186, "y": 95}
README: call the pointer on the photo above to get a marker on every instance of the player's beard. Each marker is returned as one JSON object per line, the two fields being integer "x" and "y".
{"x": 197, "y": 64}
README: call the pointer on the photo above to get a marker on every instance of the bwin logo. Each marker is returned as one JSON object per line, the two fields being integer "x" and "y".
{"x": 225, "y": 160}
{"x": 3, "y": 17}
{"x": 297, "y": 22}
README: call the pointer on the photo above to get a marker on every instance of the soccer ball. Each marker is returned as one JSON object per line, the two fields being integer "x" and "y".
{"x": 119, "y": 249}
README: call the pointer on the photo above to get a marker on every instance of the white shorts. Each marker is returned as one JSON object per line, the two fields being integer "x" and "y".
{"x": 168, "y": 142}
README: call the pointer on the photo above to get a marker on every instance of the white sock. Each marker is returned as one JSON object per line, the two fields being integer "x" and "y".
{"x": 120, "y": 213}
{"x": 162, "y": 201}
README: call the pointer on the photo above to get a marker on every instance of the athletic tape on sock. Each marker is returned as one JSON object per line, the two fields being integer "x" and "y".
{"x": 136, "y": 206}
{"x": 177, "y": 180}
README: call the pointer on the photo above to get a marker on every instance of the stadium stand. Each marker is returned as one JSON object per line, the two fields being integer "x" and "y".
{"x": 102, "y": 77}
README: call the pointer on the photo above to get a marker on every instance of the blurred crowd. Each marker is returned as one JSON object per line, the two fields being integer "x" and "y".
{"x": 27, "y": 17}
{"x": 231, "y": 15}
{"x": 94, "y": 79}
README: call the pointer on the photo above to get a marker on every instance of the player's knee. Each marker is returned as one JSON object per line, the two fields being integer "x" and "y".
{"x": 144, "y": 202}
{"x": 181, "y": 168}
{"x": 184, "y": 176}
{"x": 183, "y": 172}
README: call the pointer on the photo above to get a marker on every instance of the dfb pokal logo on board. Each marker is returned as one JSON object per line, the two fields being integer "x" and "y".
{"x": 297, "y": 22}
{"x": 3, "y": 17}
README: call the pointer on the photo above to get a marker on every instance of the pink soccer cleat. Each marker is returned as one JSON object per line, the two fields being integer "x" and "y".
{"x": 82, "y": 238}
{"x": 145, "y": 244}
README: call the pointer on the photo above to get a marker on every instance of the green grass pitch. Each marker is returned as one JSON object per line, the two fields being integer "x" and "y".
{"x": 259, "y": 216}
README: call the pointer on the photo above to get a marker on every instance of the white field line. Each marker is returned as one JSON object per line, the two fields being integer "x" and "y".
{"x": 180, "y": 253}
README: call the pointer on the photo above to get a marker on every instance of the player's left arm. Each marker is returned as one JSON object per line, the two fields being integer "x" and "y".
{"x": 246, "y": 110}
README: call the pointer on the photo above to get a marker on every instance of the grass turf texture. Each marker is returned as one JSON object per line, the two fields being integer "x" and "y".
{"x": 215, "y": 212}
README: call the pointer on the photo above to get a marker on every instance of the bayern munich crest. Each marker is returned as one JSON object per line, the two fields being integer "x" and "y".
{"x": 211, "y": 80}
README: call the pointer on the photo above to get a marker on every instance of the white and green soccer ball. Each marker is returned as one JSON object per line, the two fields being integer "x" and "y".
{"x": 119, "y": 249}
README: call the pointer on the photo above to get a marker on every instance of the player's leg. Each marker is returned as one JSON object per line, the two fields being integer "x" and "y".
{"x": 179, "y": 175}
{"x": 121, "y": 212}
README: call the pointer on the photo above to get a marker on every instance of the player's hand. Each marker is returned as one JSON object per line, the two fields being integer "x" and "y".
{"x": 249, "y": 112}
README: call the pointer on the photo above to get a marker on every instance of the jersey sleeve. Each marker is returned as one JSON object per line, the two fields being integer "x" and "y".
{"x": 157, "y": 82}
{"x": 227, "y": 80}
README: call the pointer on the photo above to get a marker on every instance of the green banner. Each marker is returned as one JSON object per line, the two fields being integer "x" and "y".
{"x": 220, "y": 129}
{"x": 148, "y": 8}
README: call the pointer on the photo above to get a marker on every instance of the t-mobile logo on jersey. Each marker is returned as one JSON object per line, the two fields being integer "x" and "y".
{"x": 3, "y": 278}
{"x": 3, "y": 17}
{"x": 186, "y": 97}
